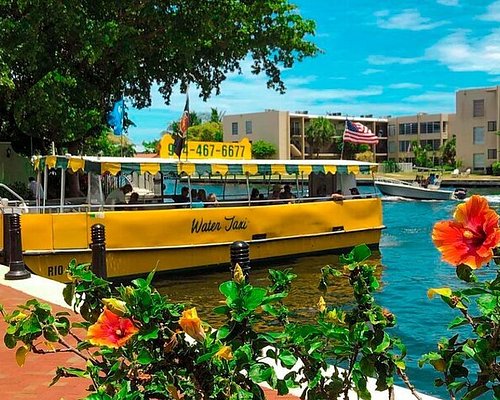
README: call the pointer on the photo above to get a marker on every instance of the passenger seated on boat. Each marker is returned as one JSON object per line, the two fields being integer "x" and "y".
{"x": 134, "y": 199}
{"x": 117, "y": 196}
{"x": 337, "y": 196}
{"x": 286, "y": 193}
{"x": 276, "y": 192}
{"x": 255, "y": 194}
{"x": 355, "y": 193}
{"x": 183, "y": 197}
{"x": 212, "y": 200}
{"x": 199, "y": 201}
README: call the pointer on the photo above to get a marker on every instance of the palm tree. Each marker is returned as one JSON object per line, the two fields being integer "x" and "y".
{"x": 319, "y": 132}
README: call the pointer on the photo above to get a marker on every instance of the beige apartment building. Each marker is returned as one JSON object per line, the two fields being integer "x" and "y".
{"x": 429, "y": 130}
{"x": 286, "y": 130}
{"x": 476, "y": 127}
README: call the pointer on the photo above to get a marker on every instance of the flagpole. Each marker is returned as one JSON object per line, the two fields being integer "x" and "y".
{"x": 343, "y": 142}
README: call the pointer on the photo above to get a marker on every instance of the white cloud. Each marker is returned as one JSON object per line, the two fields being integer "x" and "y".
{"x": 448, "y": 2}
{"x": 409, "y": 19}
{"x": 405, "y": 85}
{"x": 492, "y": 12}
{"x": 432, "y": 98}
{"x": 385, "y": 60}
{"x": 461, "y": 53}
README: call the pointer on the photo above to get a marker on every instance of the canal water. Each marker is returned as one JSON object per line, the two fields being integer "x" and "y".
{"x": 409, "y": 266}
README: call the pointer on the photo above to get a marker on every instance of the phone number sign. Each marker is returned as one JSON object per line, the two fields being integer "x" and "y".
{"x": 194, "y": 150}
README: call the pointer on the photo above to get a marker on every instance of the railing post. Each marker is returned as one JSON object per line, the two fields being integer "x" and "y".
{"x": 17, "y": 269}
{"x": 98, "y": 247}
{"x": 6, "y": 238}
{"x": 240, "y": 254}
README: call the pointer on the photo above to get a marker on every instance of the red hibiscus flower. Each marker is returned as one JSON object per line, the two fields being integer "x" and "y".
{"x": 111, "y": 330}
{"x": 471, "y": 237}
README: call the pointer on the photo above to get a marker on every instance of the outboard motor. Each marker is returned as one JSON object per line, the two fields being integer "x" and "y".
{"x": 460, "y": 193}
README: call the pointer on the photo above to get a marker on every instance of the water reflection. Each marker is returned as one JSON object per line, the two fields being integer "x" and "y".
{"x": 202, "y": 289}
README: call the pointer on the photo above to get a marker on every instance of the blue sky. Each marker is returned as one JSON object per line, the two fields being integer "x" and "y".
{"x": 380, "y": 57}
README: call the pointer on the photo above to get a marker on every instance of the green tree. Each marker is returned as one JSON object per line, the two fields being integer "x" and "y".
{"x": 449, "y": 152}
{"x": 421, "y": 154}
{"x": 262, "y": 149}
{"x": 216, "y": 115}
{"x": 62, "y": 65}
{"x": 319, "y": 132}
{"x": 206, "y": 132}
{"x": 151, "y": 147}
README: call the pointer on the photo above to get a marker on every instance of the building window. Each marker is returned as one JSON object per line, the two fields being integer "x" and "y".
{"x": 391, "y": 130}
{"x": 404, "y": 145}
{"x": 478, "y": 108}
{"x": 248, "y": 127}
{"x": 430, "y": 127}
{"x": 408, "y": 128}
{"x": 295, "y": 127}
{"x": 492, "y": 126}
{"x": 478, "y": 160}
{"x": 492, "y": 154}
{"x": 392, "y": 147}
{"x": 234, "y": 128}
{"x": 478, "y": 135}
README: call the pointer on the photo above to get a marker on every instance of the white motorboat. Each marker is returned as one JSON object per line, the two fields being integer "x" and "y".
{"x": 416, "y": 190}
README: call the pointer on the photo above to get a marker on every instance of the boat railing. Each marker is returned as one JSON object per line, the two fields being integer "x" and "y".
{"x": 158, "y": 204}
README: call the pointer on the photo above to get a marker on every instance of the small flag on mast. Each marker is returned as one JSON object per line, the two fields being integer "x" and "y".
{"x": 115, "y": 117}
{"x": 356, "y": 132}
{"x": 183, "y": 127}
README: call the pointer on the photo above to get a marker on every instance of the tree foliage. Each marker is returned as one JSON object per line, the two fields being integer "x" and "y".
{"x": 151, "y": 147}
{"x": 319, "y": 132}
{"x": 449, "y": 152}
{"x": 262, "y": 149}
{"x": 206, "y": 132}
{"x": 62, "y": 65}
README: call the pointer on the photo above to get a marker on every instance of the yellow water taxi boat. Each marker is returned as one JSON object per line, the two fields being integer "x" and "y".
{"x": 158, "y": 233}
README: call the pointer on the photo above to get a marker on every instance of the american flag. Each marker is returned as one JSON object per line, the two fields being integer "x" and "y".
{"x": 358, "y": 133}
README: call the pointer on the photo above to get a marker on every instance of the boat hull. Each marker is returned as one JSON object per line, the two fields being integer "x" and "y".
{"x": 180, "y": 239}
{"x": 412, "y": 192}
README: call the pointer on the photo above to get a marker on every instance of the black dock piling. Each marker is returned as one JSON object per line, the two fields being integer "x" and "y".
{"x": 240, "y": 254}
{"x": 17, "y": 269}
{"x": 98, "y": 247}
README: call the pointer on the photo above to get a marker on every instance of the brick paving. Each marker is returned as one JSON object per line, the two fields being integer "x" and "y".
{"x": 32, "y": 380}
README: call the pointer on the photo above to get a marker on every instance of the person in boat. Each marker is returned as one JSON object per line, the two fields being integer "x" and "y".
{"x": 287, "y": 193}
{"x": 117, "y": 196}
{"x": 355, "y": 193}
{"x": 134, "y": 199}
{"x": 255, "y": 194}
{"x": 212, "y": 200}
{"x": 276, "y": 192}
{"x": 35, "y": 189}
{"x": 200, "y": 200}
{"x": 337, "y": 196}
{"x": 183, "y": 197}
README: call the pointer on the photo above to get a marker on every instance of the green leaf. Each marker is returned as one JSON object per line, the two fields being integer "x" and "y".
{"x": 69, "y": 293}
{"x": 230, "y": 290}
{"x": 10, "y": 341}
{"x": 254, "y": 299}
{"x": 223, "y": 332}
{"x": 464, "y": 273}
{"x": 144, "y": 357}
{"x": 361, "y": 252}
{"x": 476, "y": 392}
{"x": 386, "y": 341}
{"x": 260, "y": 372}
{"x": 287, "y": 358}
{"x": 457, "y": 321}
{"x": 487, "y": 304}
{"x": 222, "y": 310}
{"x": 152, "y": 333}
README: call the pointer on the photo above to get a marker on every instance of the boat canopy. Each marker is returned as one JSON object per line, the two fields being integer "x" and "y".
{"x": 173, "y": 167}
